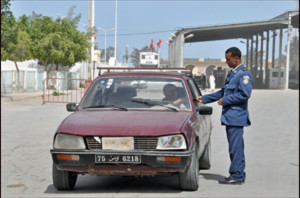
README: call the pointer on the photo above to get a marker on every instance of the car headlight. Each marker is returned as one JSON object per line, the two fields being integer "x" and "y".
{"x": 172, "y": 142}
{"x": 64, "y": 141}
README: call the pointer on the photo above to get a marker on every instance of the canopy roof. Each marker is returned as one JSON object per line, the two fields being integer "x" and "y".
{"x": 241, "y": 30}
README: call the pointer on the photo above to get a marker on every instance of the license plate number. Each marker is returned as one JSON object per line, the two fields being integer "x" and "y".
{"x": 133, "y": 159}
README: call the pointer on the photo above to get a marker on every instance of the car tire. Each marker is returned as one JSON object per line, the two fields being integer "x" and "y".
{"x": 63, "y": 180}
{"x": 204, "y": 161}
{"x": 189, "y": 179}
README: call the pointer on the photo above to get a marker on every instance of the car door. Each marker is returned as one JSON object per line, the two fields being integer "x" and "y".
{"x": 203, "y": 127}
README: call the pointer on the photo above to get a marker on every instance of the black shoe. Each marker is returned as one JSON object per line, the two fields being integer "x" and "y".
{"x": 228, "y": 180}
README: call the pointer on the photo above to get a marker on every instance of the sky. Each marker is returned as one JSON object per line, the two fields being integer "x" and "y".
{"x": 139, "y": 21}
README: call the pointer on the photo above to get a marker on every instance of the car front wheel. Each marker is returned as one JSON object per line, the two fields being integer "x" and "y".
{"x": 189, "y": 179}
{"x": 63, "y": 180}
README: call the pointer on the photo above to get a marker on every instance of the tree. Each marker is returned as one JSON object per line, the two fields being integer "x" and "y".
{"x": 109, "y": 53}
{"x": 15, "y": 42}
{"x": 5, "y": 8}
{"x": 8, "y": 30}
{"x": 57, "y": 42}
{"x": 51, "y": 42}
{"x": 8, "y": 36}
{"x": 21, "y": 53}
{"x": 70, "y": 16}
{"x": 135, "y": 55}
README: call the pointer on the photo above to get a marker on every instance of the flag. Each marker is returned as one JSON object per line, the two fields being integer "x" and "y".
{"x": 158, "y": 44}
{"x": 95, "y": 36}
{"x": 151, "y": 45}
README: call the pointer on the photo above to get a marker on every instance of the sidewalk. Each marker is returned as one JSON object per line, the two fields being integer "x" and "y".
{"x": 21, "y": 96}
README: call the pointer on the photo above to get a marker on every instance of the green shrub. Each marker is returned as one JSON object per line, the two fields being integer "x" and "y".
{"x": 55, "y": 93}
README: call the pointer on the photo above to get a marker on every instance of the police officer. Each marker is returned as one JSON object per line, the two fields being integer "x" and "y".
{"x": 234, "y": 99}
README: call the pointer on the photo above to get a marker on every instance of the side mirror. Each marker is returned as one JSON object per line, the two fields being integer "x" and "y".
{"x": 71, "y": 107}
{"x": 204, "y": 110}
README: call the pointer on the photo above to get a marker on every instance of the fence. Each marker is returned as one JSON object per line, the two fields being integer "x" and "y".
{"x": 64, "y": 90}
{"x": 29, "y": 80}
{"x": 23, "y": 81}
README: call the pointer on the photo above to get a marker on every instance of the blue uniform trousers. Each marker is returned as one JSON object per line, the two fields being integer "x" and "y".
{"x": 236, "y": 152}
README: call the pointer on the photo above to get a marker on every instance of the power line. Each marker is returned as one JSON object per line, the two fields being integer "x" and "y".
{"x": 142, "y": 33}
{"x": 160, "y": 0}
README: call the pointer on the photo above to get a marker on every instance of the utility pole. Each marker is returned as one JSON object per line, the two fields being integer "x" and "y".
{"x": 93, "y": 39}
{"x": 91, "y": 24}
{"x": 126, "y": 57}
{"x": 116, "y": 20}
{"x": 89, "y": 30}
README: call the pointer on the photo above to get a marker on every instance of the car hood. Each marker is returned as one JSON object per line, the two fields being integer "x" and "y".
{"x": 124, "y": 123}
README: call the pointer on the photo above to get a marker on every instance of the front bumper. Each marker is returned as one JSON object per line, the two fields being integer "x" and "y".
{"x": 152, "y": 162}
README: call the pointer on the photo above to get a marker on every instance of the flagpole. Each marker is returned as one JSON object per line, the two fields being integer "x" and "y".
{"x": 158, "y": 56}
{"x": 158, "y": 48}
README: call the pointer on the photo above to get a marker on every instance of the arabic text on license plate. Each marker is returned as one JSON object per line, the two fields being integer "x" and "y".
{"x": 118, "y": 159}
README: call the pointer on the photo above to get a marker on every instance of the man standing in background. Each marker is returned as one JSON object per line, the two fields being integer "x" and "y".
{"x": 233, "y": 97}
{"x": 212, "y": 82}
{"x": 203, "y": 81}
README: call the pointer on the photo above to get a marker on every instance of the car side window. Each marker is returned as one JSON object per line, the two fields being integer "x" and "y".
{"x": 194, "y": 88}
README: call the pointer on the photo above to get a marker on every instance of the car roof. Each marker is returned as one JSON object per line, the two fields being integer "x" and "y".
{"x": 143, "y": 73}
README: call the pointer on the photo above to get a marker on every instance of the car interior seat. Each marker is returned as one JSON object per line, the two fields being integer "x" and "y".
{"x": 180, "y": 92}
{"x": 123, "y": 94}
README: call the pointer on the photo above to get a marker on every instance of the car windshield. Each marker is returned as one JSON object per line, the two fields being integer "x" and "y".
{"x": 122, "y": 93}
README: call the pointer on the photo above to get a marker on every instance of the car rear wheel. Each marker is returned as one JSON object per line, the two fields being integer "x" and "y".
{"x": 63, "y": 180}
{"x": 204, "y": 161}
{"x": 189, "y": 179}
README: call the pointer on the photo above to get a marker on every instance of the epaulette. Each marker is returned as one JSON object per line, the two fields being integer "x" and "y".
{"x": 244, "y": 69}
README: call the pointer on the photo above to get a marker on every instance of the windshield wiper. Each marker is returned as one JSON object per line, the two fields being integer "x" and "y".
{"x": 151, "y": 104}
{"x": 103, "y": 106}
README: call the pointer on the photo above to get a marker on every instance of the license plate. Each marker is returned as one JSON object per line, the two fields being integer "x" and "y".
{"x": 118, "y": 143}
{"x": 131, "y": 159}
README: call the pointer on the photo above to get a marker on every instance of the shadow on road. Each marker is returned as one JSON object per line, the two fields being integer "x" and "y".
{"x": 210, "y": 176}
{"x": 112, "y": 184}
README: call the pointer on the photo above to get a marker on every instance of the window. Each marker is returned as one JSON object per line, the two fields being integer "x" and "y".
{"x": 194, "y": 88}
{"x": 275, "y": 74}
{"x": 137, "y": 92}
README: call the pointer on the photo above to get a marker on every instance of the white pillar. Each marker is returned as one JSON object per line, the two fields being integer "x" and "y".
{"x": 290, "y": 27}
{"x": 178, "y": 50}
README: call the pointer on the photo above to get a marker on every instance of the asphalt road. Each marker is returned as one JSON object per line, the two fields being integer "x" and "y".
{"x": 271, "y": 149}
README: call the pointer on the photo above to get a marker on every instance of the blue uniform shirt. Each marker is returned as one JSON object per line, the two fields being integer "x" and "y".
{"x": 235, "y": 94}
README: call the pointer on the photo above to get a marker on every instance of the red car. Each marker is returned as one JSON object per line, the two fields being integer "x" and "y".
{"x": 134, "y": 123}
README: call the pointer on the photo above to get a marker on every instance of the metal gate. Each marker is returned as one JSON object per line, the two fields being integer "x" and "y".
{"x": 64, "y": 90}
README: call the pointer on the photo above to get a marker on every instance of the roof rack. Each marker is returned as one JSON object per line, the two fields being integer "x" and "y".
{"x": 189, "y": 70}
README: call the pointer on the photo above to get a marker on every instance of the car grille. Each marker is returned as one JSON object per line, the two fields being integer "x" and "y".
{"x": 140, "y": 143}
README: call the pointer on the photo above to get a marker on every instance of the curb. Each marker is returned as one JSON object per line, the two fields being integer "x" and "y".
{"x": 19, "y": 98}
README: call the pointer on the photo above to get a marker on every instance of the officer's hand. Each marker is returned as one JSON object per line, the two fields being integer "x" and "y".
{"x": 220, "y": 102}
{"x": 200, "y": 99}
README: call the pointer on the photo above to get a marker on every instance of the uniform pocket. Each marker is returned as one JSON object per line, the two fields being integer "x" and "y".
{"x": 229, "y": 89}
{"x": 231, "y": 86}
